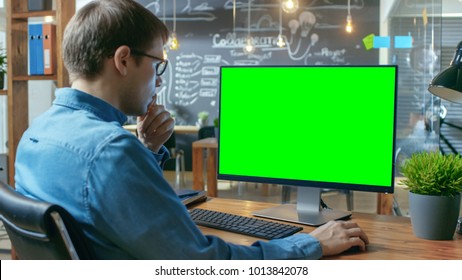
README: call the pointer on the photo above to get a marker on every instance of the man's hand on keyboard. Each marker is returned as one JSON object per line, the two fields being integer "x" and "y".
{"x": 338, "y": 236}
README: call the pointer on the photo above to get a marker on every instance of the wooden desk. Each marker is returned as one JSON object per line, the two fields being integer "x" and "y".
{"x": 391, "y": 237}
{"x": 186, "y": 129}
{"x": 198, "y": 147}
{"x": 179, "y": 129}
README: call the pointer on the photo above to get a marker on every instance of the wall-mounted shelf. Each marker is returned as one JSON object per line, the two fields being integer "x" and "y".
{"x": 26, "y": 15}
{"x": 18, "y": 16}
{"x": 35, "y": 78}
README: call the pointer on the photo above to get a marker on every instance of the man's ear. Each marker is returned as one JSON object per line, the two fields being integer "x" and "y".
{"x": 121, "y": 59}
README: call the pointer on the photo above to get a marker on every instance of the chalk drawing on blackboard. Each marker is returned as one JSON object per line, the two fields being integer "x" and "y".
{"x": 184, "y": 96}
{"x": 211, "y": 58}
{"x": 187, "y": 12}
{"x": 209, "y": 82}
{"x": 154, "y": 7}
{"x": 162, "y": 96}
{"x": 265, "y": 24}
{"x": 196, "y": 78}
{"x": 245, "y": 62}
{"x": 191, "y": 66}
{"x": 210, "y": 70}
{"x": 306, "y": 22}
{"x": 208, "y": 92}
{"x": 335, "y": 56}
{"x": 188, "y": 86}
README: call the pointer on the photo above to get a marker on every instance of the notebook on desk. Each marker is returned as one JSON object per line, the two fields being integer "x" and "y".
{"x": 189, "y": 197}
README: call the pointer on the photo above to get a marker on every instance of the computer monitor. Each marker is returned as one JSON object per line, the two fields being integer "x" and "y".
{"x": 314, "y": 127}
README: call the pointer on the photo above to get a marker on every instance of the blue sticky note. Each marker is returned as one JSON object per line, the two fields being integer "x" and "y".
{"x": 403, "y": 42}
{"x": 381, "y": 42}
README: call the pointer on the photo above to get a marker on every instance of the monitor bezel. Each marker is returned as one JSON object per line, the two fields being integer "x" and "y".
{"x": 310, "y": 183}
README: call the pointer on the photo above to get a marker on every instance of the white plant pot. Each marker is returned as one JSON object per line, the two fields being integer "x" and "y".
{"x": 202, "y": 122}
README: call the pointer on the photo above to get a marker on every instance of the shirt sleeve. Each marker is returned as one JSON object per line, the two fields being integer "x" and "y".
{"x": 133, "y": 209}
{"x": 162, "y": 156}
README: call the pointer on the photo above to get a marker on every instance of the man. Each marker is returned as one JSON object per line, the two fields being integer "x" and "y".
{"x": 78, "y": 155}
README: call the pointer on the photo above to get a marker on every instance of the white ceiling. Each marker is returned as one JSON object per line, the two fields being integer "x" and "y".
{"x": 452, "y": 8}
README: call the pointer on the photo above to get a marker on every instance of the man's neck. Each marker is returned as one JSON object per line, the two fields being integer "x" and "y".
{"x": 98, "y": 88}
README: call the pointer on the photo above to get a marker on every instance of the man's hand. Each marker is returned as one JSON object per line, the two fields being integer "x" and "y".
{"x": 155, "y": 127}
{"x": 339, "y": 236}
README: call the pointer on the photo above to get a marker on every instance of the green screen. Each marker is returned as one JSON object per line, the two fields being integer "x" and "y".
{"x": 327, "y": 126}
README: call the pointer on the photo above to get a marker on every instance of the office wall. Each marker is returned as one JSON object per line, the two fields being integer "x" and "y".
{"x": 80, "y": 3}
{"x": 41, "y": 95}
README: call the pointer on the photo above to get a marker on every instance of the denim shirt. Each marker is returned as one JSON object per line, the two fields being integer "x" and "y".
{"x": 78, "y": 155}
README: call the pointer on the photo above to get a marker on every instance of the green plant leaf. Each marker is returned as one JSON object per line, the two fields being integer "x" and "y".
{"x": 432, "y": 173}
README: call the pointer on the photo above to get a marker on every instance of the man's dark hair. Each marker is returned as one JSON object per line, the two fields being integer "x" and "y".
{"x": 100, "y": 27}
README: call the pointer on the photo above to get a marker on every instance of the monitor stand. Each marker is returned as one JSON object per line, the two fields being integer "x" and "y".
{"x": 307, "y": 211}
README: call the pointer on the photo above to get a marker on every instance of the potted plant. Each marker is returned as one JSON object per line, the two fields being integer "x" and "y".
{"x": 2, "y": 68}
{"x": 434, "y": 182}
{"x": 202, "y": 118}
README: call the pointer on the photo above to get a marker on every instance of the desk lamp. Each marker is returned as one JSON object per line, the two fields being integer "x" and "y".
{"x": 448, "y": 83}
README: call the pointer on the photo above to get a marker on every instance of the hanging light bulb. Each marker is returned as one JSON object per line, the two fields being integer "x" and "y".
{"x": 349, "y": 25}
{"x": 281, "y": 43}
{"x": 234, "y": 18}
{"x": 174, "y": 44}
{"x": 289, "y": 6}
{"x": 165, "y": 53}
{"x": 249, "y": 47}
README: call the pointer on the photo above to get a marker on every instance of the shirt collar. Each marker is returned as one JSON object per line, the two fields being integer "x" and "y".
{"x": 80, "y": 100}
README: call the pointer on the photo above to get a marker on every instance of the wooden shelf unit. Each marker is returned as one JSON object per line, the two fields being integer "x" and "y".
{"x": 17, "y": 20}
{"x": 26, "y": 15}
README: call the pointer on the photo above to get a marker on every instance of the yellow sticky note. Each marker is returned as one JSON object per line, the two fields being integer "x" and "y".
{"x": 368, "y": 41}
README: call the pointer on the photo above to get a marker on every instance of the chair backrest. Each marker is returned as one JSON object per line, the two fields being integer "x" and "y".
{"x": 206, "y": 132}
{"x": 170, "y": 144}
{"x": 40, "y": 230}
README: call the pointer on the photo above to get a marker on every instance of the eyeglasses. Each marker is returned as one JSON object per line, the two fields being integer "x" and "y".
{"x": 160, "y": 66}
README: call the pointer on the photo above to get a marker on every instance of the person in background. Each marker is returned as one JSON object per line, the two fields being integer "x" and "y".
{"x": 78, "y": 155}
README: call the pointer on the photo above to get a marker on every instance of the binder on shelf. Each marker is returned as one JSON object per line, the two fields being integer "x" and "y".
{"x": 35, "y": 49}
{"x": 49, "y": 48}
{"x": 31, "y": 45}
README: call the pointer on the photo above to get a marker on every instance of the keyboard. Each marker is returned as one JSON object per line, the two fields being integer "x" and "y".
{"x": 243, "y": 225}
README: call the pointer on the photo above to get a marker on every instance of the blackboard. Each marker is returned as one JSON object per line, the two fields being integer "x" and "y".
{"x": 210, "y": 36}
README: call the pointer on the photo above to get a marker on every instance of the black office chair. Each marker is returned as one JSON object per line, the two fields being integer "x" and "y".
{"x": 178, "y": 155}
{"x": 39, "y": 230}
